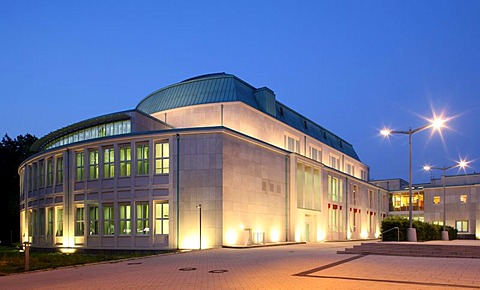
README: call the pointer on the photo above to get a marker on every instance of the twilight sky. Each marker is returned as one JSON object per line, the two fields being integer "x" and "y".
{"x": 351, "y": 66}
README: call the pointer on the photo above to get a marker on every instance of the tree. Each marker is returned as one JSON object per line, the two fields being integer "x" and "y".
{"x": 12, "y": 153}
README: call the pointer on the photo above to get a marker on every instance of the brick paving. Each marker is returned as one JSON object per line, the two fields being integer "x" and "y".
{"x": 303, "y": 266}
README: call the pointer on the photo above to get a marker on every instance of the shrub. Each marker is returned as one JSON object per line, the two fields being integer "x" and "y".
{"x": 425, "y": 231}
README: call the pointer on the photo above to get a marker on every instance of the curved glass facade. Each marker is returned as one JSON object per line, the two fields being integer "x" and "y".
{"x": 104, "y": 130}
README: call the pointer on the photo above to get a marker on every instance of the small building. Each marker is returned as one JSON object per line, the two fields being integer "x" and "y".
{"x": 458, "y": 203}
{"x": 207, "y": 162}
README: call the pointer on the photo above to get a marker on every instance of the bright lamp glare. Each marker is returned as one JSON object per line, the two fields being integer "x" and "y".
{"x": 462, "y": 164}
{"x": 438, "y": 123}
{"x": 385, "y": 132}
{"x": 427, "y": 167}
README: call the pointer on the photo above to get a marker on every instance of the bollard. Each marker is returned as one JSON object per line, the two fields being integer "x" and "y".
{"x": 27, "y": 256}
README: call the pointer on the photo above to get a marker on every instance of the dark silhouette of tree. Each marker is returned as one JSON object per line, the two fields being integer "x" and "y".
{"x": 12, "y": 153}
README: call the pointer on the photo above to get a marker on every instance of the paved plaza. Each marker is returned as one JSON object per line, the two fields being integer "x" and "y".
{"x": 301, "y": 266}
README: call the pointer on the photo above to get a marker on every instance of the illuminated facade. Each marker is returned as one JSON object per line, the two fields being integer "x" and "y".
{"x": 211, "y": 148}
{"x": 462, "y": 207}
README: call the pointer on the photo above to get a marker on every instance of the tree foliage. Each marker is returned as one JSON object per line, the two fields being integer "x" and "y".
{"x": 12, "y": 153}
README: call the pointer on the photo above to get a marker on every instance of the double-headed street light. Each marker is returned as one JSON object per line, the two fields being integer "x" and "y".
{"x": 462, "y": 164}
{"x": 436, "y": 124}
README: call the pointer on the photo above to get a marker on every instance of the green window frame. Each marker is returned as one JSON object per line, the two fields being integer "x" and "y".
{"x": 125, "y": 160}
{"x": 141, "y": 216}
{"x": 108, "y": 162}
{"x": 59, "y": 219}
{"x": 142, "y": 159}
{"x": 92, "y": 220}
{"x": 162, "y": 160}
{"x": 125, "y": 218}
{"x": 79, "y": 221}
{"x": 59, "y": 170}
{"x": 162, "y": 218}
{"x": 93, "y": 164}
{"x": 50, "y": 221}
{"x": 79, "y": 166}
{"x": 50, "y": 171}
{"x": 108, "y": 220}
{"x": 41, "y": 173}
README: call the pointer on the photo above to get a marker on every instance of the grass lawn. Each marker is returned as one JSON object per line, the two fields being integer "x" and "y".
{"x": 12, "y": 261}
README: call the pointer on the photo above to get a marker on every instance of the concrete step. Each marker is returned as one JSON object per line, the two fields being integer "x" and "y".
{"x": 416, "y": 250}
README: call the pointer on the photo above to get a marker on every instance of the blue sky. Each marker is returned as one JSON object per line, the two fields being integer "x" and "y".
{"x": 351, "y": 66}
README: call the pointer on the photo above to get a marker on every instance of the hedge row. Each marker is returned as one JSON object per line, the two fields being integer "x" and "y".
{"x": 425, "y": 231}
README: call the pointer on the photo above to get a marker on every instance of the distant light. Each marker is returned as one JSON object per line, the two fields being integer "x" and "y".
{"x": 462, "y": 164}
{"x": 386, "y": 132}
{"x": 427, "y": 167}
{"x": 438, "y": 123}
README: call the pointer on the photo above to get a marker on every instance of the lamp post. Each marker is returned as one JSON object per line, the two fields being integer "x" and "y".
{"x": 436, "y": 123}
{"x": 461, "y": 164}
{"x": 199, "y": 206}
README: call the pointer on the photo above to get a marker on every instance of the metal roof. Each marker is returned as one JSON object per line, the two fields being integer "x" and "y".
{"x": 211, "y": 88}
{"x": 222, "y": 87}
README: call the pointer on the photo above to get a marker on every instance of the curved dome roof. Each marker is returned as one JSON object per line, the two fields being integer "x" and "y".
{"x": 210, "y": 88}
{"x": 222, "y": 87}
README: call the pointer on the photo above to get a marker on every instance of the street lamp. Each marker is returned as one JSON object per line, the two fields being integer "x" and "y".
{"x": 436, "y": 124}
{"x": 199, "y": 206}
{"x": 462, "y": 164}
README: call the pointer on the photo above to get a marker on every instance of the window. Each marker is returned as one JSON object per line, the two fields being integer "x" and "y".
{"x": 35, "y": 222}
{"x": 142, "y": 159}
{"x": 59, "y": 177}
{"x": 161, "y": 218}
{"x": 334, "y": 189}
{"x": 162, "y": 162}
{"x": 354, "y": 221}
{"x": 363, "y": 175}
{"x": 461, "y": 226}
{"x": 371, "y": 199}
{"x": 41, "y": 173}
{"x": 30, "y": 178}
{"x": 108, "y": 163}
{"x": 50, "y": 221}
{"x": 108, "y": 220}
{"x": 125, "y": 212}
{"x": 315, "y": 154}
{"x": 41, "y": 226}
{"x": 335, "y": 162}
{"x": 93, "y": 164}
{"x": 355, "y": 194}
{"x": 93, "y": 220}
{"x": 292, "y": 144}
{"x": 35, "y": 175}
{"x": 30, "y": 223}
{"x": 436, "y": 200}
{"x": 335, "y": 219}
{"x": 142, "y": 219}
{"x": 463, "y": 198}
{"x": 125, "y": 160}
{"x": 59, "y": 218}
{"x": 50, "y": 172}
{"x": 350, "y": 169}
{"x": 80, "y": 166}
{"x": 79, "y": 221}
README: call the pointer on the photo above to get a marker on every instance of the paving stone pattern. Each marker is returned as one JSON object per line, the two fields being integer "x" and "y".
{"x": 303, "y": 266}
